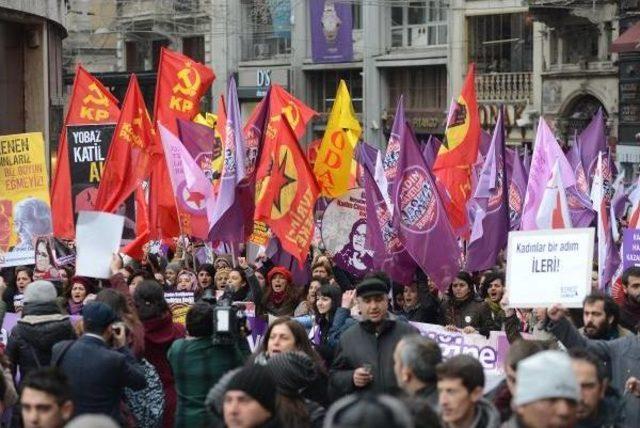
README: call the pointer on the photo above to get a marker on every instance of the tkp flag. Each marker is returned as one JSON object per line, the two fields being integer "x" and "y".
{"x": 491, "y": 226}
{"x": 192, "y": 190}
{"x": 419, "y": 215}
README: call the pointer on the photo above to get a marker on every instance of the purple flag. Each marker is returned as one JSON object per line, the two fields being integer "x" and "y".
{"x": 430, "y": 150}
{"x": 546, "y": 152}
{"x": 517, "y": 188}
{"x": 580, "y": 210}
{"x": 526, "y": 162}
{"x": 419, "y": 215}
{"x": 227, "y": 223}
{"x": 200, "y": 141}
{"x": 280, "y": 257}
{"x": 593, "y": 139}
{"x": 485, "y": 142}
{"x": 392, "y": 154}
{"x": 389, "y": 254}
{"x": 331, "y": 28}
{"x": 490, "y": 228}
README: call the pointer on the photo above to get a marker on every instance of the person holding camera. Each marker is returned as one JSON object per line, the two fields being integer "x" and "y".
{"x": 99, "y": 365}
{"x": 197, "y": 365}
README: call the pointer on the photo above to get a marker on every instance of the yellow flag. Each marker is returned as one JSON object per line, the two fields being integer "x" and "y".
{"x": 335, "y": 162}
{"x": 209, "y": 119}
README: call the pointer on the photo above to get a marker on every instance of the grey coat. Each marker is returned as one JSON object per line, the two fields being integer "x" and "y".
{"x": 361, "y": 344}
{"x": 622, "y": 355}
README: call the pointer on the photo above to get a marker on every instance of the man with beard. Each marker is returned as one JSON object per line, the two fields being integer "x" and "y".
{"x": 600, "y": 315}
{"x": 630, "y": 308}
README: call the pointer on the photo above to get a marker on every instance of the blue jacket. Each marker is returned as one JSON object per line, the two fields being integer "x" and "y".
{"x": 98, "y": 374}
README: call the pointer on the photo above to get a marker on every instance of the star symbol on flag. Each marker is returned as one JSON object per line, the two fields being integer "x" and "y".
{"x": 196, "y": 198}
{"x": 280, "y": 180}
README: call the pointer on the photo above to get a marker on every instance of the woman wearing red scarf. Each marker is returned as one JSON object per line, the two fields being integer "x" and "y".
{"x": 281, "y": 297}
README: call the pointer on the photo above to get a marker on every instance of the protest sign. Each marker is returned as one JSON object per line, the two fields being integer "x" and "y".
{"x": 25, "y": 210}
{"x": 18, "y": 303}
{"x": 630, "y": 248}
{"x": 344, "y": 229}
{"x": 98, "y": 236}
{"x": 260, "y": 235}
{"x": 179, "y": 303}
{"x": 491, "y": 351}
{"x": 88, "y": 147}
{"x": 545, "y": 267}
{"x": 45, "y": 260}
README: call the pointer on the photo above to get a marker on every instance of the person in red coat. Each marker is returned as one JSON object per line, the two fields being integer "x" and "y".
{"x": 159, "y": 333}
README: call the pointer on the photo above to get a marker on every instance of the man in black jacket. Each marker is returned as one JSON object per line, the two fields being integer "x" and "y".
{"x": 98, "y": 374}
{"x": 364, "y": 356}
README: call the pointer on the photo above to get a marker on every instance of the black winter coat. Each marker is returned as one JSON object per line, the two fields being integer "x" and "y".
{"x": 361, "y": 344}
{"x": 31, "y": 341}
{"x": 470, "y": 312}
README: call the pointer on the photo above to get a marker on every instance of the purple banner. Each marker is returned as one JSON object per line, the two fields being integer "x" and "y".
{"x": 630, "y": 248}
{"x": 331, "y": 26}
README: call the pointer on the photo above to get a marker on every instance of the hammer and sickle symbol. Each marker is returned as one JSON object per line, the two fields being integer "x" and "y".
{"x": 96, "y": 97}
{"x": 188, "y": 87}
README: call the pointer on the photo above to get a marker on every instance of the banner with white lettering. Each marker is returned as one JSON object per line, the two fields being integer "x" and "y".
{"x": 630, "y": 248}
{"x": 88, "y": 148}
{"x": 491, "y": 351}
{"x": 545, "y": 267}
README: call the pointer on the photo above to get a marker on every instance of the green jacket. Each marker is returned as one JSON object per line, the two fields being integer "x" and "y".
{"x": 197, "y": 365}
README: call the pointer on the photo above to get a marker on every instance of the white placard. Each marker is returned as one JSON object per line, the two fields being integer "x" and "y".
{"x": 98, "y": 236}
{"x": 545, "y": 267}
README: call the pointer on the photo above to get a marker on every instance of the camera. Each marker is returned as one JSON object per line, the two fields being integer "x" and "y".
{"x": 229, "y": 320}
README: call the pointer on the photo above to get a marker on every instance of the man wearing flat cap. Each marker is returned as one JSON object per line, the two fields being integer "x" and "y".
{"x": 365, "y": 350}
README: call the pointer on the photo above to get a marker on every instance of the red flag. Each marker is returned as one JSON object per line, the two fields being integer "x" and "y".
{"x": 181, "y": 83}
{"x": 91, "y": 103}
{"x": 288, "y": 192}
{"x": 130, "y": 154}
{"x": 458, "y": 153}
{"x": 135, "y": 248}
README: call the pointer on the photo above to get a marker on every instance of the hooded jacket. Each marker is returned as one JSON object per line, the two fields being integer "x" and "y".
{"x": 32, "y": 339}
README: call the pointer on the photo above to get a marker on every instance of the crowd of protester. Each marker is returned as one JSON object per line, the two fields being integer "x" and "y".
{"x": 338, "y": 351}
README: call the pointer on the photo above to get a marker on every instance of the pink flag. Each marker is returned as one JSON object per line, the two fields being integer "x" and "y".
{"x": 545, "y": 154}
{"x": 553, "y": 212}
{"x": 191, "y": 188}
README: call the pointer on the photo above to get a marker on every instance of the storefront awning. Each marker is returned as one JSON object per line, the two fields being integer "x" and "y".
{"x": 629, "y": 41}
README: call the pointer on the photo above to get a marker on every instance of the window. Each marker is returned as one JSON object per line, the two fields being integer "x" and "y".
{"x": 501, "y": 43}
{"x": 193, "y": 47}
{"x": 553, "y": 47}
{"x": 356, "y": 13}
{"x": 419, "y": 24}
{"x": 265, "y": 29}
{"x": 424, "y": 88}
{"x": 580, "y": 44}
{"x": 325, "y": 85}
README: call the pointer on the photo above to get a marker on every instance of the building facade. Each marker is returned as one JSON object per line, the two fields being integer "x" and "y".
{"x": 31, "y": 34}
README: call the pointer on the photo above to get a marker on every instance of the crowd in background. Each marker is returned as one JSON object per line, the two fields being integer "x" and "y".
{"x": 338, "y": 351}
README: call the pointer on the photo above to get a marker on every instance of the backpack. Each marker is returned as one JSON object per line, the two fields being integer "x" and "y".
{"x": 147, "y": 405}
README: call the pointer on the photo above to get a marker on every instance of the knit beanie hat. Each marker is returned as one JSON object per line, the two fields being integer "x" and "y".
{"x": 545, "y": 375}
{"x": 257, "y": 382}
{"x": 282, "y": 271}
{"x": 292, "y": 371}
{"x": 40, "y": 292}
{"x": 92, "y": 421}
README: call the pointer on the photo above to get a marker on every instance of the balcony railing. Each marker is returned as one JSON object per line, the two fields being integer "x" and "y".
{"x": 504, "y": 86}
{"x": 265, "y": 45}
